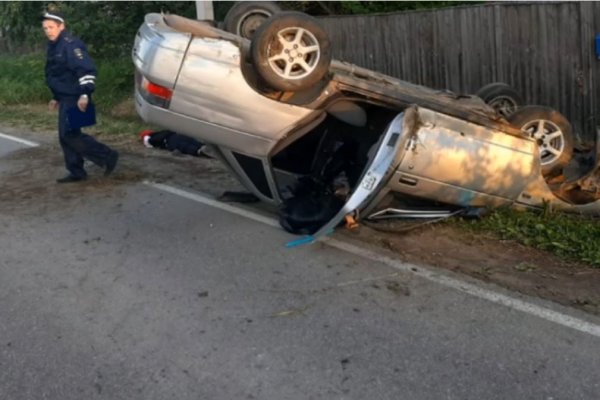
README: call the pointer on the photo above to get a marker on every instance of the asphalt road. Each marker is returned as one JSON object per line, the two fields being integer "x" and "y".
{"x": 148, "y": 295}
{"x": 9, "y": 143}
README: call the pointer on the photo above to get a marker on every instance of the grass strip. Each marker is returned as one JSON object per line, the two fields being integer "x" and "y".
{"x": 571, "y": 236}
{"x": 37, "y": 117}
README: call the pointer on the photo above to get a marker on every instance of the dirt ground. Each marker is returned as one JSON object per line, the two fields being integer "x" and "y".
{"x": 28, "y": 187}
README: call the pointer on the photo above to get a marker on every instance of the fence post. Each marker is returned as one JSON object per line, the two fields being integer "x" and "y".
{"x": 204, "y": 10}
{"x": 499, "y": 50}
{"x": 588, "y": 78}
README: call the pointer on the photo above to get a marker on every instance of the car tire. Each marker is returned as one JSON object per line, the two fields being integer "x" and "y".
{"x": 500, "y": 96}
{"x": 245, "y": 17}
{"x": 291, "y": 51}
{"x": 552, "y": 132}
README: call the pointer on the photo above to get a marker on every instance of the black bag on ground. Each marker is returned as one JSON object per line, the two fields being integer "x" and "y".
{"x": 311, "y": 207}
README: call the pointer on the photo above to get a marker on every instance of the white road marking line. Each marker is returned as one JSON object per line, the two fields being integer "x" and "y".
{"x": 469, "y": 288}
{"x": 214, "y": 203}
{"x": 19, "y": 140}
{"x": 423, "y": 272}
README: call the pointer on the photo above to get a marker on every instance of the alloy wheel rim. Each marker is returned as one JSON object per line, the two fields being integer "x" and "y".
{"x": 295, "y": 54}
{"x": 549, "y": 138}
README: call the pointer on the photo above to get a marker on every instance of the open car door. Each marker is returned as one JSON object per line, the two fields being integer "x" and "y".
{"x": 377, "y": 172}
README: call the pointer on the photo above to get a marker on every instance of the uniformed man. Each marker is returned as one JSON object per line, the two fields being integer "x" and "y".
{"x": 71, "y": 77}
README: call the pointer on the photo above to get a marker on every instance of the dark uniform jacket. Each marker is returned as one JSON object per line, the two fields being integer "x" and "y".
{"x": 70, "y": 71}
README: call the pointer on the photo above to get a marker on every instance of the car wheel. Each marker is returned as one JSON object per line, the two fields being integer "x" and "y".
{"x": 245, "y": 17}
{"x": 551, "y": 131}
{"x": 291, "y": 51}
{"x": 503, "y": 98}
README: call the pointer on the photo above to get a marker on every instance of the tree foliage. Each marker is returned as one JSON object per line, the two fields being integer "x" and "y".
{"x": 108, "y": 27}
{"x": 19, "y": 27}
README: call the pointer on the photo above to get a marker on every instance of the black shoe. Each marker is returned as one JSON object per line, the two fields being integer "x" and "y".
{"x": 71, "y": 178}
{"x": 111, "y": 163}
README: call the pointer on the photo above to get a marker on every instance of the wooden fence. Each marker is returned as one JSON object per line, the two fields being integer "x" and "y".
{"x": 544, "y": 50}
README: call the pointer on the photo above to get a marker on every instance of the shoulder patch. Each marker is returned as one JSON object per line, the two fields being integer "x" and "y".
{"x": 78, "y": 53}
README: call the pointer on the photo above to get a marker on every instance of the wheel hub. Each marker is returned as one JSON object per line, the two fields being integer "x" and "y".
{"x": 292, "y": 52}
{"x": 504, "y": 105}
{"x": 250, "y": 22}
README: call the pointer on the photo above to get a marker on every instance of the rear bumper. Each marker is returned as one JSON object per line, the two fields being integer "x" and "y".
{"x": 203, "y": 131}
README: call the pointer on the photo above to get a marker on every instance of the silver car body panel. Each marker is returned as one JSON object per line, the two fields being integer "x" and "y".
{"x": 458, "y": 162}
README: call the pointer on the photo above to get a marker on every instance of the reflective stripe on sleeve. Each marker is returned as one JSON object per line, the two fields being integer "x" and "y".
{"x": 87, "y": 78}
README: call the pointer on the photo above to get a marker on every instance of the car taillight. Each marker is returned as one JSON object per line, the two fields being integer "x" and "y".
{"x": 159, "y": 91}
{"x": 156, "y": 94}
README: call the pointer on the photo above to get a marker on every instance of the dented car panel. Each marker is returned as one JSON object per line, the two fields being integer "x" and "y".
{"x": 358, "y": 136}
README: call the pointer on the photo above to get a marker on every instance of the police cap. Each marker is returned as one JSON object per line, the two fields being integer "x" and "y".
{"x": 54, "y": 16}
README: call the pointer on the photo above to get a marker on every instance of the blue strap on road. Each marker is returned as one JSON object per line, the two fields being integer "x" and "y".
{"x": 299, "y": 242}
{"x": 308, "y": 239}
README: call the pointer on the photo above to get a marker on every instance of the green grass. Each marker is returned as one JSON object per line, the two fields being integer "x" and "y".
{"x": 572, "y": 237}
{"x": 115, "y": 82}
{"x": 38, "y": 118}
{"x": 23, "y": 81}
{"x": 24, "y": 95}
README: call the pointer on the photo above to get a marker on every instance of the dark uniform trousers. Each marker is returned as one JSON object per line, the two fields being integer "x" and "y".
{"x": 76, "y": 145}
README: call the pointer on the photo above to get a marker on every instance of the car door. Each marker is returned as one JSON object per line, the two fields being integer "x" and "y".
{"x": 388, "y": 154}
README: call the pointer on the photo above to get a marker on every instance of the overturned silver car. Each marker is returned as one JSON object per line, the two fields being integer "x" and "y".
{"x": 322, "y": 139}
